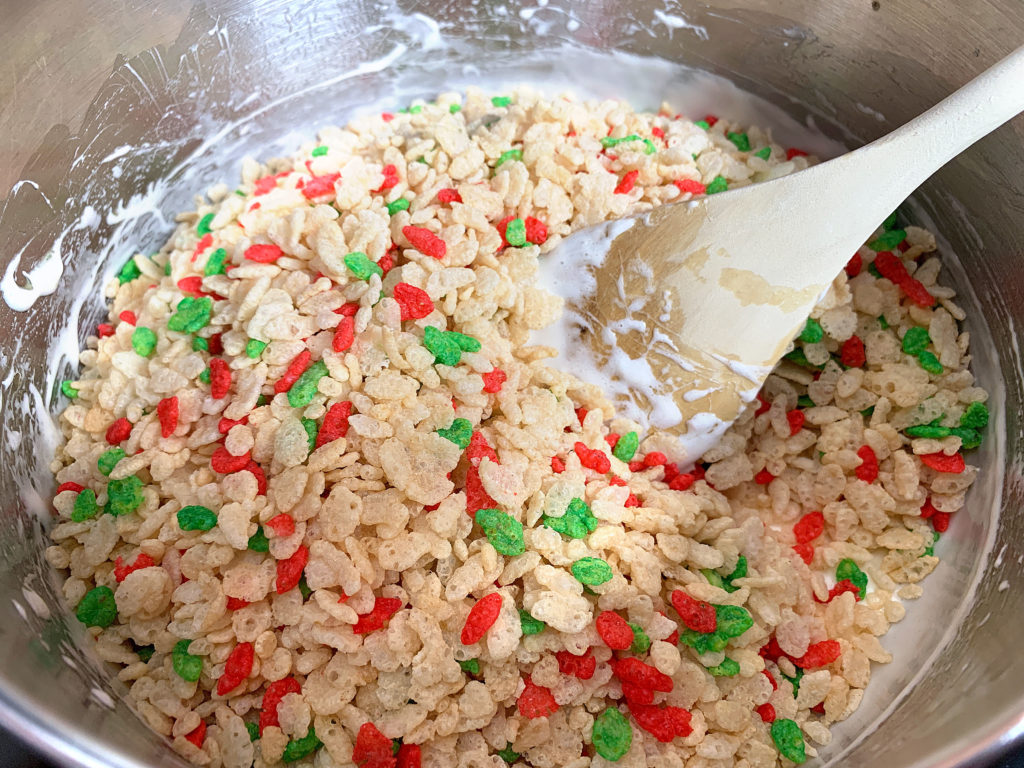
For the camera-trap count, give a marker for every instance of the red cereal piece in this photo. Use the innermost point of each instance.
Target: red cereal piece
(263, 254)
(448, 195)
(771, 678)
(612, 438)
(536, 701)
(581, 415)
(851, 354)
(220, 378)
(614, 630)
(806, 552)
(104, 329)
(854, 265)
(625, 186)
(657, 132)
(764, 405)
(121, 570)
(940, 521)
(372, 748)
(632, 670)
(710, 120)
(557, 465)
(289, 571)
(772, 652)
(889, 266)
(819, 654)
(794, 152)
(502, 227)
(259, 474)
(681, 482)
(493, 380)
(637, 465)
(536, 230)
(655, 459)
(409, 756)
(840, 588)
(796, 421)
(631, 501)
(674, 637)
(281, 524)
(347, 310)
(236, 668)
(390, 178)
(214, 345)
(335, 423)
(476, 497)
(868, 469)
(582, 667)
(344, 335)
(225, 463)
(425, 241)
(479, 449)
(663, 723)
(592, 458)
(128, 317)
(940, 462)
(692, 186)
(276, 691)
(167, 413)
(320, 186)
(192, 285)
(197, 735)
(613, 480)
(383, 609)
(415, 303)
(763, 477)
(386, 263)
(236, 604)
(696, 614)
(69, 486)
(809, 527)
(224, 425)
(766, 712)
(387, 117)
(481, 617)
(296, 368)
(119, 431)
(204, 242)
(635, 694)
(917, 293)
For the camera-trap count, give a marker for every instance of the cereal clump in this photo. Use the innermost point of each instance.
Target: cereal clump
(321, 502)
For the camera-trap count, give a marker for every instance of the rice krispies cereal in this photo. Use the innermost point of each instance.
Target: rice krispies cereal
(322, 503)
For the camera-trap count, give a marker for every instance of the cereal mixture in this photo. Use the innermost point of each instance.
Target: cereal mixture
(322, 503)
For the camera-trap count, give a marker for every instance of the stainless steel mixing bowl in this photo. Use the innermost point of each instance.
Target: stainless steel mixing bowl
(100, 100)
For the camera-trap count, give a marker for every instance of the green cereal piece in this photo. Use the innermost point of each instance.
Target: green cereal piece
(872, 269)
(259, 542)
(108, 460)
(740, 140)
(738, 573)
(192, 314)
(812, 332)
(888, 240)
(711, 642)
(795, 681)
(976, 416)
(470, 666)
(361, 266)
(626, 446)
(68, 389)
(867, 413)
(203, 227)
(508, 754)
(466, 343)
(702, 124)
(612, 735)
(848, 569)
(415, 109)
(254, 348)
(167, 268)
(501, 101)
(124, 496)
(254, 731)
(577, 521)
(969, 438)
(445, 349)
(453, 108)
(883, 323)
(459, 432)
(718, 184)
(728, 668)
(128, 272)
(204, 376)
(144, 652)
(804, 401)
(930, 549)
(503, 531)
(300, 748)
(215, 263)
(303, 390)
(530, 625)
(916, 340)
(85, 506)
(928, 430)
(186, 666)
(509, 154)
(714, 577)
(196, 518)
(649, 148)
(608, 141)
(97, 608)
(930, 363)
(732, 620)
(789, 740)
(515, 233)
(764, 153)
(401, 204)
(641, 642)
(591, 571)
(318, 151)
(890, 221)
(304, 589)
(144, 341)
(311, 428)
(240, 192)
(199, 344)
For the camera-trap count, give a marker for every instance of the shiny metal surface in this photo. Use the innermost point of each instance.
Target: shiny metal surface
(80, 80)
